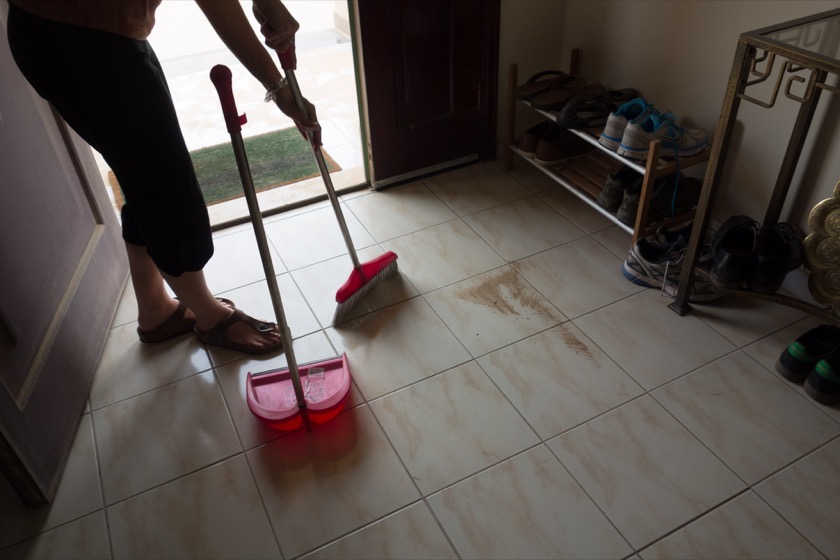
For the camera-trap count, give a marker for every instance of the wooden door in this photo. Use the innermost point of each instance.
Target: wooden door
(63, 270)
(430, 73)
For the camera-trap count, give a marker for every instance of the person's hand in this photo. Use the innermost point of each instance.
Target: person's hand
(276, 24)
(307, 123)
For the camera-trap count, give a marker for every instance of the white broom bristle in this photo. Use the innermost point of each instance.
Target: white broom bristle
(343, 310)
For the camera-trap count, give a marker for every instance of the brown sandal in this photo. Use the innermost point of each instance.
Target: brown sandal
(176, 325)
(216, 335)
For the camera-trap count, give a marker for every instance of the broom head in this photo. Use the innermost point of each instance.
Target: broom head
(361, 281)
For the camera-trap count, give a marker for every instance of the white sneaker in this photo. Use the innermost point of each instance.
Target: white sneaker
(632, 111)
(675, 141)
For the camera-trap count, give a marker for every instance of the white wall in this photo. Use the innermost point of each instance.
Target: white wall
(679, 55)
(530, 36)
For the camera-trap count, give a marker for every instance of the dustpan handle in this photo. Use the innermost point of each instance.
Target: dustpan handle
(221, 76)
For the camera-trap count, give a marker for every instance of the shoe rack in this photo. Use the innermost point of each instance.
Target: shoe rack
(795, 58)
(585, 176)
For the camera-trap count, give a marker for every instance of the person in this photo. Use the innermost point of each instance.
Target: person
(91, 60)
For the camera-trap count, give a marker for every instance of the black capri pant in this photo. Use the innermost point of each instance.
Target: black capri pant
(111, 90)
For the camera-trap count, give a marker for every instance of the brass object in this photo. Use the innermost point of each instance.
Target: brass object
(822, 251)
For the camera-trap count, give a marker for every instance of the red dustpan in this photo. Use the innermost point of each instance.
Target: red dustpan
(289, 398)
(271, 394)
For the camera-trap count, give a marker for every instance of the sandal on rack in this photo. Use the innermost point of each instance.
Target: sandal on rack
(176, 325)
(540, 82)
(217, 336)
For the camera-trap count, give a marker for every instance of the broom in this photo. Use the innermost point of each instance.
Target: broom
(365, 276)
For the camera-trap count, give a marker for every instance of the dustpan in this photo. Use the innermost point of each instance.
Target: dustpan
(284, 399)
(271, 394)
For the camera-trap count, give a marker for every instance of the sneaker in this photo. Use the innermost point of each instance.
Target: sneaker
(532, 136)
(675, 141)
(560, 145)
(672, 195)
(651, 265)
(591, 110)
(823, 383)
(659, 266)
(617, 183)
(632, 111)
(801, 356)
(668, 234)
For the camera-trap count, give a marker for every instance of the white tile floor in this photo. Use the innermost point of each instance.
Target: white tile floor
(514, 397)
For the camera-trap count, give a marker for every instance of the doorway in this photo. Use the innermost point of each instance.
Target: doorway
(188, 48)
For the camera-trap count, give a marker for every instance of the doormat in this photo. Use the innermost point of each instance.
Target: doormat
(276, 158)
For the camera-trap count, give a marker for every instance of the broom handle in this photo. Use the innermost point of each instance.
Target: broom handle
(221, 77)
(288, 62)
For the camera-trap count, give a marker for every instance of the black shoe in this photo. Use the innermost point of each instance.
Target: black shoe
(779, 250)
(592, 109)
(734, 249)
(823, 383)
(617, 183)
(801, 355)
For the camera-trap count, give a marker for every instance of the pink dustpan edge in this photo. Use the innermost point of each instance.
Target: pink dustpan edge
(258, 389)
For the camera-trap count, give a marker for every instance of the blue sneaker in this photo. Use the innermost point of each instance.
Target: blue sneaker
(632, 111)
(675, 141)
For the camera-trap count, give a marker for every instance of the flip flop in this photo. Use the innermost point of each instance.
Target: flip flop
(216, 335)
(176, 325)
(539, 82)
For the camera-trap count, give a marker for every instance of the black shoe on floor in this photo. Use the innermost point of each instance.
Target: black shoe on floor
(823, 383)
(779, 250)
(734, 252)
(801, 355)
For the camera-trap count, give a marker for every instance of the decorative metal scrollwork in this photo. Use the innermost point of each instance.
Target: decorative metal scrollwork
(822, 251)
(794, 78)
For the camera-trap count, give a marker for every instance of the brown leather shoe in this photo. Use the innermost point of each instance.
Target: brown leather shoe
(560, 145)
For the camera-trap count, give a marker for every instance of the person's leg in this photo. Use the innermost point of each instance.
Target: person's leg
(192, 289)
(111, 90)
(155, 306)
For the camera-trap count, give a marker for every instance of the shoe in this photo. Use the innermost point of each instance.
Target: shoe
(539, 83)
(617, 183)
(592, 109)
(801, 355)
(217, 335)
(672, 195)
(659, 266)
(734, 250)
(779, 250)
(558, 95)
(668, 234)
(176, 325)
(531, 137)
(823, 383)
(560, 145)
(650, 265)
(635, 110)
(675, 141)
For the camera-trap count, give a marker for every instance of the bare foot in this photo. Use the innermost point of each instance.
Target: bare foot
(238, 331)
